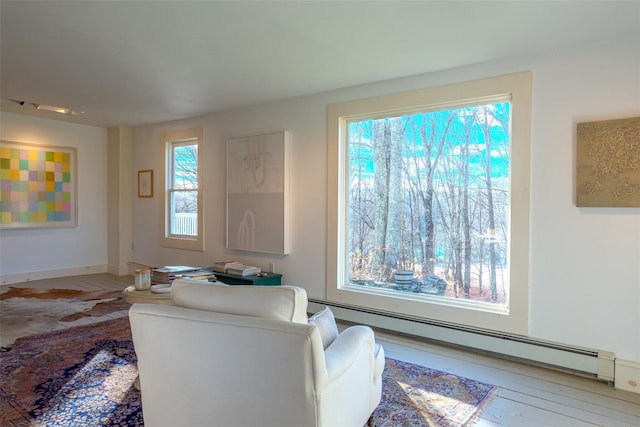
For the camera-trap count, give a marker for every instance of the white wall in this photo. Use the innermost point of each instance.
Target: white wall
(585, 263)
(41, 253)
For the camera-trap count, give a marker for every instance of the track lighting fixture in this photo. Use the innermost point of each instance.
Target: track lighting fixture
(37, 106)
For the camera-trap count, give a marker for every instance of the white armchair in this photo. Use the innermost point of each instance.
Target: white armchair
(246, 356)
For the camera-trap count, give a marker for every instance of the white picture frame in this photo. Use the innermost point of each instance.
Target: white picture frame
(258, 193)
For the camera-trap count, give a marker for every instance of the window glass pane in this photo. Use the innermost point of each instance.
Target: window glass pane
(184, 207)
(184, 213)
(428, 203)
(185, 163)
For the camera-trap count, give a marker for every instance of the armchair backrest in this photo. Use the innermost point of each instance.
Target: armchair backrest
(288, 303)
(200, 368)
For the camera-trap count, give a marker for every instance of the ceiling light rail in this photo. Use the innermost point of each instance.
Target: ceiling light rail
(38, 106)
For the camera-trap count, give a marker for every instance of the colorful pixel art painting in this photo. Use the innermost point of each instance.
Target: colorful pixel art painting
(38, 186)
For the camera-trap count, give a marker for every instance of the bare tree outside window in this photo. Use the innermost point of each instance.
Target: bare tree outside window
(429, 194)
(184, 196)
(184, 189)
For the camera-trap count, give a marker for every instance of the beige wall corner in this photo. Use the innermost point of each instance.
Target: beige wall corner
(119, 198)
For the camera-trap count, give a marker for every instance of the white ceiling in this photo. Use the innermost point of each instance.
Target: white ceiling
(140, 62)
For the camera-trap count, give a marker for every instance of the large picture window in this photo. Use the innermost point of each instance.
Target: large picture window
(429, 203)
(183, 198)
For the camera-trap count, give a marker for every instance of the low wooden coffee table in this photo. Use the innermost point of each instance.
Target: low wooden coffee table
(133, 296)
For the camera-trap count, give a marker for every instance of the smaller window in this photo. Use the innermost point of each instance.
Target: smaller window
(183, 196)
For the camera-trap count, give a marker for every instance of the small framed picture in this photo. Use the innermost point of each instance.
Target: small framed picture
(145, 183)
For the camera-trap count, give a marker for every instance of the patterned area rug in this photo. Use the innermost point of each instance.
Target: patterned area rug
(413, 395)
(84, 376)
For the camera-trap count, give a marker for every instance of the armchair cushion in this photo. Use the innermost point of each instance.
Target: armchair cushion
(326, 324)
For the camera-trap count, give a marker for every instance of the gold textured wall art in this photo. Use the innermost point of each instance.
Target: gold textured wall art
(608, 163)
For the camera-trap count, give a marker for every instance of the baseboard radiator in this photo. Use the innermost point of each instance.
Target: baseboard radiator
(593, 363)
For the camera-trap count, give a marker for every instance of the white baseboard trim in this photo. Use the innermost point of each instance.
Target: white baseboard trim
(627, 375)
(10, 279)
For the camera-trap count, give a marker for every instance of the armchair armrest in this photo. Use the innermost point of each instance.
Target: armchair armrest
(350, 391)
(346, 349)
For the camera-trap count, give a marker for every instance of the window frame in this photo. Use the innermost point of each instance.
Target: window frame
(167, 239)
(514, 319)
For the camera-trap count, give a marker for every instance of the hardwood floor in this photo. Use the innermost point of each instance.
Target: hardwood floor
(528, 396)
(87, 282)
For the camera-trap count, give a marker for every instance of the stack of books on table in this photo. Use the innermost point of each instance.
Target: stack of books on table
(243, 270)
(166, 275)
(222, 266)
(200, 275)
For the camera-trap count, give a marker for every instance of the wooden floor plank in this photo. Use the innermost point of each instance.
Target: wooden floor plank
(596, 414)
(88, 282)
(506, 412)
(588, 402)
